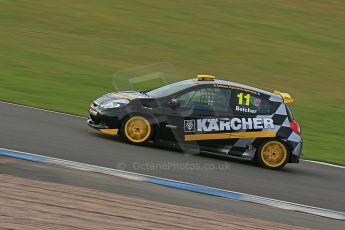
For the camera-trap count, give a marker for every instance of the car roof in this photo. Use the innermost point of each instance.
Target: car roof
(230, 83)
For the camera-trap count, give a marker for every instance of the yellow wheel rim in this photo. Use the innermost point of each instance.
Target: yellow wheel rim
(137, 129)
(273, 154)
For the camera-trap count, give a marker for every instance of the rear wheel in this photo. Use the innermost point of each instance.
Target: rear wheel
(136, 130)
(273, 154)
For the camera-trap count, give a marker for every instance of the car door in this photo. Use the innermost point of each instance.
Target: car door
(196, 119)
(253, 111)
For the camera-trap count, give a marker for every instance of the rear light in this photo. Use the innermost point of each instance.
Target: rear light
(295, 127)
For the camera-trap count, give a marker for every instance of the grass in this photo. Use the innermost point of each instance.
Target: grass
(60, 55)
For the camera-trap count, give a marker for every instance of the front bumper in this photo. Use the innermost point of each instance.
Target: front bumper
(92, 124)
(102, 128)
(102, 123)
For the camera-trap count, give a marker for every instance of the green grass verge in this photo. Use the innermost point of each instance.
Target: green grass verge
(60, 55)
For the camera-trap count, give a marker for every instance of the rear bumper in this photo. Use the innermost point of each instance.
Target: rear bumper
(298, 149)
(294, 159)
(296, 153)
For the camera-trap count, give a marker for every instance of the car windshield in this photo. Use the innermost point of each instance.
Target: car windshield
(170, 89)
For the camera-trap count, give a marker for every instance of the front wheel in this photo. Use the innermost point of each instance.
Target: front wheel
(136, 130)
(273, 154)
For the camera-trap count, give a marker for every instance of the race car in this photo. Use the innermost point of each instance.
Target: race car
(206, 114)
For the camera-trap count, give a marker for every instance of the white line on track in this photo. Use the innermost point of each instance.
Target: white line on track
(77, 116)
(39, 109)
(325, 163)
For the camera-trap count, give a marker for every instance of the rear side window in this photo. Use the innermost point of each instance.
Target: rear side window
(250, 104)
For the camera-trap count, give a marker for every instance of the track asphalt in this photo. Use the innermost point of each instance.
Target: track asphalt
(68, 137)
(100, 182)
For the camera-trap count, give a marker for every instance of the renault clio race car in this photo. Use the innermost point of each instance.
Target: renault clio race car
(207, 114)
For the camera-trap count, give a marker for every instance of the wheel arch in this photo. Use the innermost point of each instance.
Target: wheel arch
(264, 140)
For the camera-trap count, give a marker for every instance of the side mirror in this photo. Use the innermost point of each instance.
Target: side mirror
(174, 103)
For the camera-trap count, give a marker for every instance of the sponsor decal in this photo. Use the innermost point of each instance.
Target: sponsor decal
(257, 101)
(245, 109)
(189, 125)
(226, 124)
(236, 88)
(121, 95)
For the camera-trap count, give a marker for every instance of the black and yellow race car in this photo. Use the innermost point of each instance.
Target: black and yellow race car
(206, 114)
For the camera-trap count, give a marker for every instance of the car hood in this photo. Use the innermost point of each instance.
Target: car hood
(123, 97)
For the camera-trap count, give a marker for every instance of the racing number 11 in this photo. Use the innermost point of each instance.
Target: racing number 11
(240, 98)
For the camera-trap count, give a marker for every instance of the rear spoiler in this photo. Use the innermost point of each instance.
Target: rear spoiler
(286, 97)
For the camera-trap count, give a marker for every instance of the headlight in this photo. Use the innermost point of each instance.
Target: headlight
(110, 104)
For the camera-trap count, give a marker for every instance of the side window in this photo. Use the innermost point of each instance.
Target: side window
(207, 99)
(247, 103)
